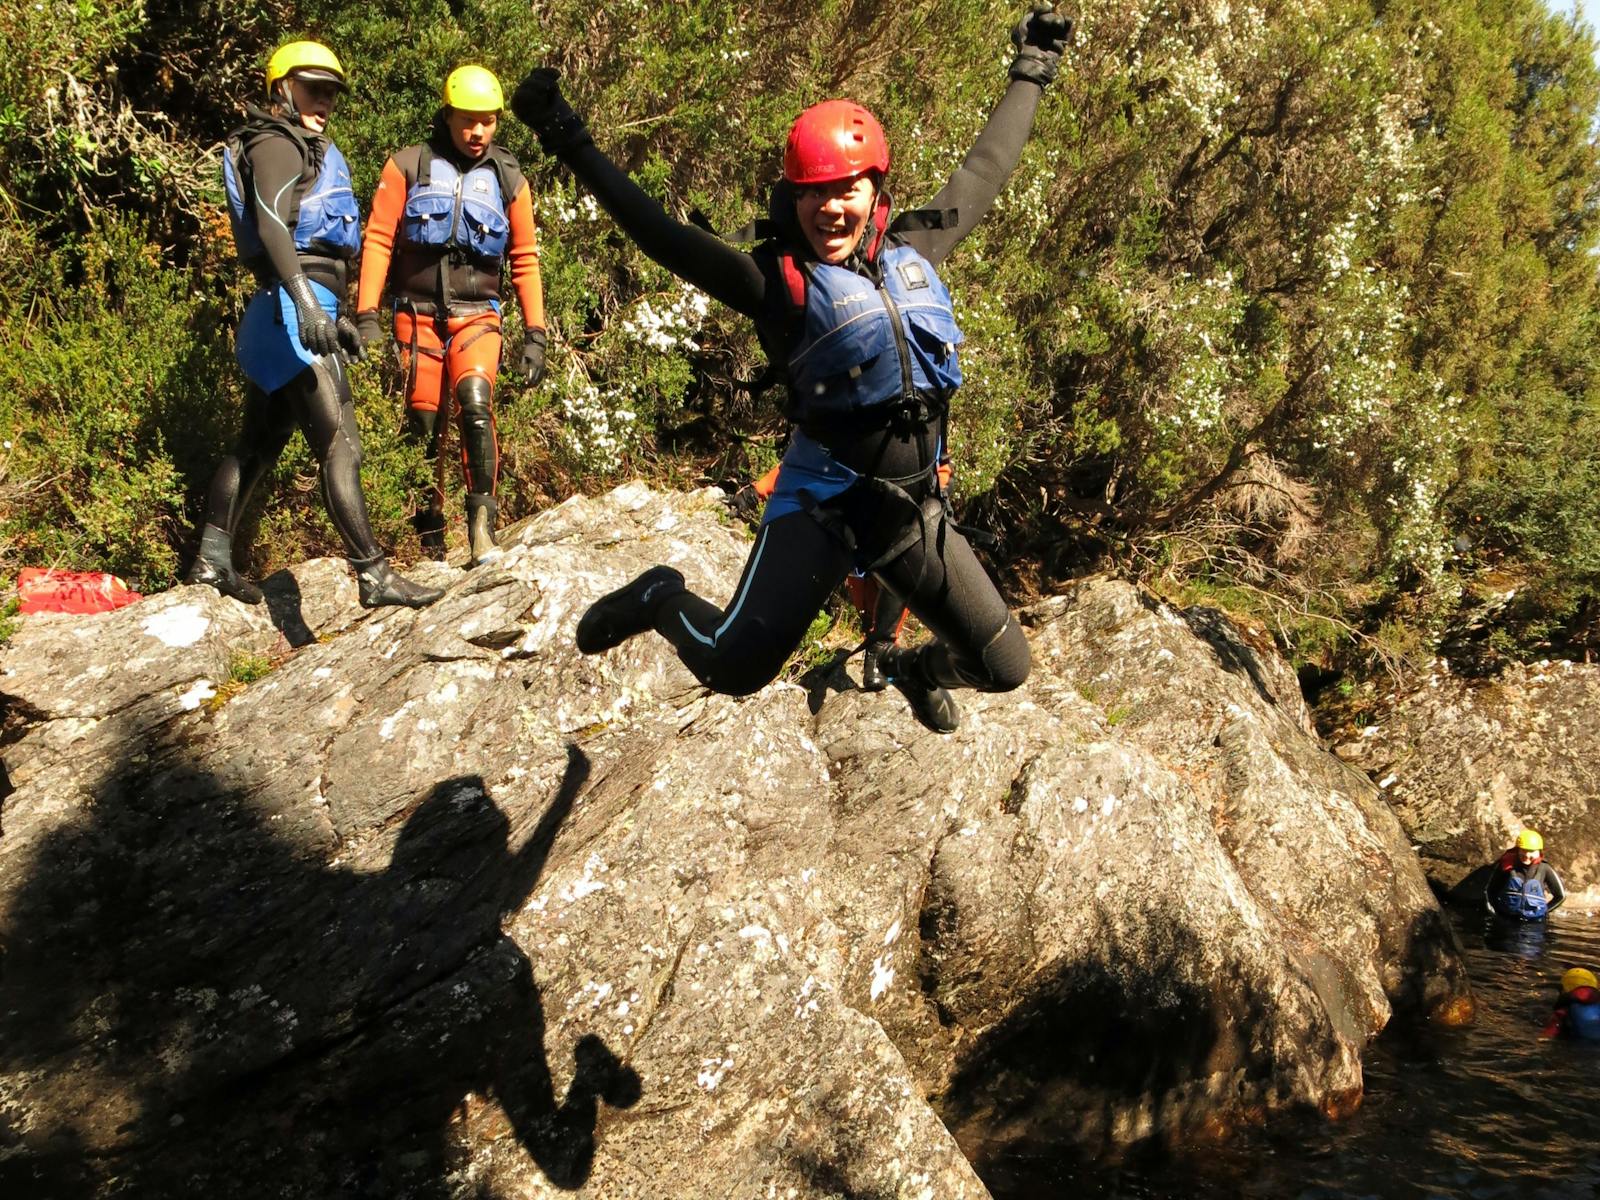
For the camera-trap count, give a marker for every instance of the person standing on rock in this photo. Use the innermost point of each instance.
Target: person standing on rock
(851, 305)
(1522, 885)
(296, 226)
(447, 215)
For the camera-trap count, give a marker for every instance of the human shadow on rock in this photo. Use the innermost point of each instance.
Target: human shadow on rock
(201, 999)
(282, 592)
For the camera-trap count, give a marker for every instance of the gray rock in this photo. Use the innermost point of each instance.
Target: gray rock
(440, 907)
(1468, 763)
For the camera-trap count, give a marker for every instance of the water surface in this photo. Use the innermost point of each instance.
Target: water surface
(1489, 1112)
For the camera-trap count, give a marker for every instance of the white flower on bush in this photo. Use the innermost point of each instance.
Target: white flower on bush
(671, 327)
(599, 424)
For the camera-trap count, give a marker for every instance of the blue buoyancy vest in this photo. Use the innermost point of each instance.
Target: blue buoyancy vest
(864, 344)
(1523, 898)
(1583, 1017)
(327, 219)
(459, 211)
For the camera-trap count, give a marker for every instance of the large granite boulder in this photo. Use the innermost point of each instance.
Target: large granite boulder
(1467, 763)
(439, 907)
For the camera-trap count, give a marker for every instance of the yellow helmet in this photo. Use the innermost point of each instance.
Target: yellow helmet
(473, 89)
(1578, 977)
(1529, 840)
(307, 60)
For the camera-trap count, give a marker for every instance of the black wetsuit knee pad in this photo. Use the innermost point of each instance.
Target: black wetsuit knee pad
(1006, 660)
(474, 395)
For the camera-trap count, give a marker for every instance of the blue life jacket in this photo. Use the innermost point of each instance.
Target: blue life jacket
(460, 211)
(1522, 898)
(1584, 1019)
(863, 344)
(327, 219)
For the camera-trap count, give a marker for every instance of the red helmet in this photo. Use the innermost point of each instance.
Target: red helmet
(834, 140)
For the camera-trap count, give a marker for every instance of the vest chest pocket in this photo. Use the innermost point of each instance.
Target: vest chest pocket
(934, 338)
(330, 218)
(484, 228)
(426, 220)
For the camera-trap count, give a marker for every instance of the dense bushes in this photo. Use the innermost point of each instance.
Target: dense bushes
(1287, 305)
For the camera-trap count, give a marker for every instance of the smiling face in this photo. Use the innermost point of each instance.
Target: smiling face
(471, 132)
(834, 215)
(314, 100)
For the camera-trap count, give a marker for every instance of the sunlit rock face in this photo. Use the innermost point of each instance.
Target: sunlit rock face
(436, 906)
(1468, 763)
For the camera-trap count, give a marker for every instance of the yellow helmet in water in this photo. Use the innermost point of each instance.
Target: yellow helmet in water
(307, 60)
(1529, 840)
(1578, 977)
(473, 89)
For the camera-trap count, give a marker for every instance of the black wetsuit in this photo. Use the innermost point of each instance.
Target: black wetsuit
(317, 400)
(799, 558)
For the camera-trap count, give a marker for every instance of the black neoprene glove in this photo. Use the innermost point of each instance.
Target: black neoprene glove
(540, 106)
(369, 326)
(318, 333)
(533, 355)
(349, 339)
(1041, 38)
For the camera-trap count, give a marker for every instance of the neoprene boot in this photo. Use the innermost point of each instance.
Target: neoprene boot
(213, 566)
(932, 703)
(429, 524)
(872, 677)
(381, 587)
(617, 616)
(482, 513)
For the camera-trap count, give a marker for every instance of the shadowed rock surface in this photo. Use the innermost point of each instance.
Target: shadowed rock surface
(1467, 763)
(439, 907)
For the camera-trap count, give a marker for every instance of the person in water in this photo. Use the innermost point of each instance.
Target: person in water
(882, 615)
(1522, 885)
(448, 214)
(1577, 1012)
(297, 228)
(851, 305)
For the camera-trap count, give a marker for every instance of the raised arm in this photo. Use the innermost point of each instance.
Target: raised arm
(692, 254)
(1040, 38)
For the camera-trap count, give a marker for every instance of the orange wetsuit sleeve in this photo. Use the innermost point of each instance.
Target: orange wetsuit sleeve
(768, 483)
(524, 256)
(377, 243)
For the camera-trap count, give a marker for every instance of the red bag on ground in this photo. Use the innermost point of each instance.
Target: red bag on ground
(42, 590)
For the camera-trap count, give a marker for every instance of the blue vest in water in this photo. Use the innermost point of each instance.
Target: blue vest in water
(1522, 899)
(327, 219)
(862, 344)
(1584, 1019)
(460, 211)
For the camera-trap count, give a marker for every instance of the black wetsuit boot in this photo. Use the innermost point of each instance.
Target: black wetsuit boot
(381, 587)
(934, 706)
(482, 512)
(213, 565)
(872, 677)
(474, 396)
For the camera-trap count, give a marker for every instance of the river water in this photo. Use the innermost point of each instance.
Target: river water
(1488, 1112)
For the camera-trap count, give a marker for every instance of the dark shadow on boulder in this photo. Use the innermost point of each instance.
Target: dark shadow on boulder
(1092, 1046)
(282, 591)
(1469, 893)
(201, 999)
(1212, 627)
(829, 676)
